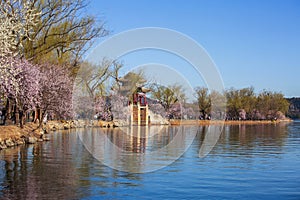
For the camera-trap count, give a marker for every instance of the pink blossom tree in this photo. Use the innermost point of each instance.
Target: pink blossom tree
(83, 106)
(112, 107)
(175, 111)
(157, 108)
(55, 91)
(119, 106)
(103, 109)
(27, 96)
(19, 85)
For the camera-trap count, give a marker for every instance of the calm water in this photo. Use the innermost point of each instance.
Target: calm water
(248, 162)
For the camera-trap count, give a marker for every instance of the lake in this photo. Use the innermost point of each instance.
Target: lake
(247, 162)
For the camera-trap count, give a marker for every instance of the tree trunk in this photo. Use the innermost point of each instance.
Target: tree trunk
(21, 118)
(37, 115)
(43, 115)
(17, 115)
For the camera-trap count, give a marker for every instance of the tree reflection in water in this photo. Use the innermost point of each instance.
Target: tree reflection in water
(139, 149)
(64, 169)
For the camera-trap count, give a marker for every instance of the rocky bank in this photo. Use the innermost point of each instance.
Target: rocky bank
(11, 135)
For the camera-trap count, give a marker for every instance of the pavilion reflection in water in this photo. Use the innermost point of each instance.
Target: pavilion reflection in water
(136, 139)
(138, 148)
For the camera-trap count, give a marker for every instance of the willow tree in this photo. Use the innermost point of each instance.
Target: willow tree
(234, 103)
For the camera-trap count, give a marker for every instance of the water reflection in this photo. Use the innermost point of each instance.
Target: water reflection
(30, 170)
(251, 140)
(212, 134)
(140, 149)
(63, 169)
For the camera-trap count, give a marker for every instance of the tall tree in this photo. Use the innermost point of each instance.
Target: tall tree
(56, 91)
(98, 80)
(93, 84)
(20, 89)
(92, 78)
(269, 103)
(203, 101)
(17, 21)
(234, 103)
(248, 101)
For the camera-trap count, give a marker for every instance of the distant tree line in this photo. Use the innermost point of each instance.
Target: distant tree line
(244, 104)
(232, 104)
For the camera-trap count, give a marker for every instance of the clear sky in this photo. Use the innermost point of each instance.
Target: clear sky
(253, 43)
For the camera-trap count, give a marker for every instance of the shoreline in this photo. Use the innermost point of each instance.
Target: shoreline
(12, 135)
(227, 122)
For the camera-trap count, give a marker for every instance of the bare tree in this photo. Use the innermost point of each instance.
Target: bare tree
(99, 79)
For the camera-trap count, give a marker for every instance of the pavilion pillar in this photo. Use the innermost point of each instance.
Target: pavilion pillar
(138, 114)
(147, 118)
(132, 115)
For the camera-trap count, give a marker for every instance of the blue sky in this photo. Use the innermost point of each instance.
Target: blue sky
(253, 43)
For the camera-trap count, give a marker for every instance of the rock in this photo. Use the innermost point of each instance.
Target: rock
(3, 145)
(120, 123)
(72, 124)
(20, 141)
(66, 126)
(52, 128)
(9, 142)
(77, 124)
(30, 140)
(45, 131)
(45, 138)
(105, 124)
(99, 123)
(40, 140)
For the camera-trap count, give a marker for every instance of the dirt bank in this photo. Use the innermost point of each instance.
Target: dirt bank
(13, 135)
